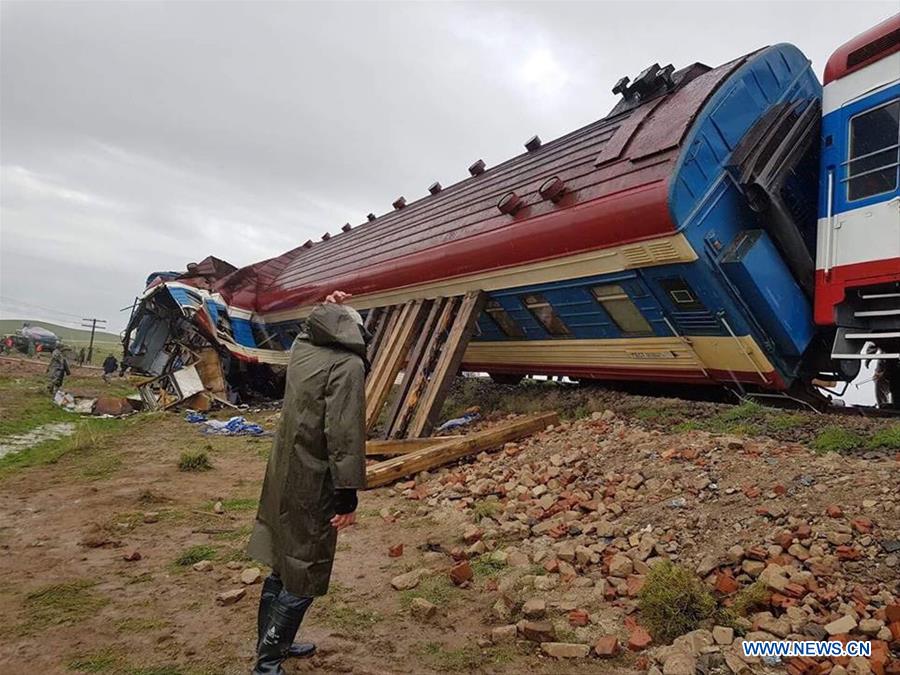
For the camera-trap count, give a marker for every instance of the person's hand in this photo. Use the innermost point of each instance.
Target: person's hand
(338, 297)
(340, 521)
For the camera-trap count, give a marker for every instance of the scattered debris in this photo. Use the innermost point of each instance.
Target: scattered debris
(390, 470)
(250, 576)
(234, 426)
(230, 597)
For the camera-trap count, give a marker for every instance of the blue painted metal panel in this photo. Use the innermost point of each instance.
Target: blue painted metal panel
(242, 332)
(753, 265)
(710, 209)
(836, 125)
(576, 306)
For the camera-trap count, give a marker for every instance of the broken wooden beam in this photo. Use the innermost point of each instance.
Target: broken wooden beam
(451, 355)
(403, 446)
(427, 458)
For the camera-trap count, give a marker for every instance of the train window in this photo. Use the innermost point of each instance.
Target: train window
(680, 293)
(873, 163)
(545, 314)
(503, 320)
(623, 312)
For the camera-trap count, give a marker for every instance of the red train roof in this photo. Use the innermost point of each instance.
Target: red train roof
(875, 43)
(615, 172)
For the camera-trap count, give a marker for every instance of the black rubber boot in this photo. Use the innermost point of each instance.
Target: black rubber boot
(276, 644)
(271, 588)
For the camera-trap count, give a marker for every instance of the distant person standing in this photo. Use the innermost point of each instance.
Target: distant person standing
(57, 370)
(109, 367)
(81, 356)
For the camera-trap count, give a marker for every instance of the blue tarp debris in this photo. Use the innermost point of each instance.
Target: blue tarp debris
(236, 426)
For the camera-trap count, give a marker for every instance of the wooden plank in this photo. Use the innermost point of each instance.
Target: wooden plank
(388, 327)
(375, 381)
(395, 352)
(403, 446)
(447, 365)
(412, 364)
(427, 458)
(378, 330)
(430, 356)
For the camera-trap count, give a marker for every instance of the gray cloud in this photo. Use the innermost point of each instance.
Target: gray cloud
(141, 136)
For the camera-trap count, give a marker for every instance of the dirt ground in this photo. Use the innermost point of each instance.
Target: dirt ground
(69, 602)
(73, 509)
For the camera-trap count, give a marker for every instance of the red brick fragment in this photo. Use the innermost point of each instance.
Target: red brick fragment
(461, 572)
(579, 617)
(894, 627)
(607, 647)
(726, 583)
(892, 613)
(395, 551)
(862, 525)
(756, 553)
(802, 531)
(848, 553)
(639, 639)
(784, 539)
(834, 511)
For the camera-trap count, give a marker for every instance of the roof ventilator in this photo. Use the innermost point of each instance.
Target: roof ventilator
(510, 203)
(553, 189)
(326, 236)
(435, 187)
(346, 227)
(533, 143)
(399, 203)
(308, 243)
(477, 168)
(370, 217)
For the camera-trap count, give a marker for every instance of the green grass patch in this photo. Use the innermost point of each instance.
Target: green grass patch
(352, 620)
(886, 438)
(235, 504)
(747, 410)
(786, 421)
(485, 566)
(687, 426)
(438, 590)
(26, 409)
(674, 601)
(194, 461)
(195, 554)
(240, 533)
(836, 439)
(92, 438)
(468, 658)
(750, 598)
(486, 508)
(60, 604)
(101, 661)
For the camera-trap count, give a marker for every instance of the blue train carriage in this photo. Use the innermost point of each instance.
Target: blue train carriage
(738, 309)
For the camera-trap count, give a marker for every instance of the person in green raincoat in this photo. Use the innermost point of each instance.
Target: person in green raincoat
(57, 370)
(316, 465)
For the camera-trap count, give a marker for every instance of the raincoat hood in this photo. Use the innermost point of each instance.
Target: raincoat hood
(331, 325)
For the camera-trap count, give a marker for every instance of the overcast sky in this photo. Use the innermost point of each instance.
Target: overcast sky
(142, 136)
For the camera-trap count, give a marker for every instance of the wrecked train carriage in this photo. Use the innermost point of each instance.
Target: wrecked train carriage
(181, 334)
(636, 248)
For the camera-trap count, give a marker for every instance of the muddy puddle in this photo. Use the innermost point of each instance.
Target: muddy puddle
(28, 439)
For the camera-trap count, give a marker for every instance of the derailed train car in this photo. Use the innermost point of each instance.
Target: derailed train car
(674, 240)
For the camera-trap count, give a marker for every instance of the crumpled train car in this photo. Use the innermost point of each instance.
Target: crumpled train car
(672, 240)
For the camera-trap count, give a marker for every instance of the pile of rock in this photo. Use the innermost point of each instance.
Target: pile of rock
(578, 515)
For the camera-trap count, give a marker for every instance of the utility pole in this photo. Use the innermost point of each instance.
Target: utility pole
(93, 326)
